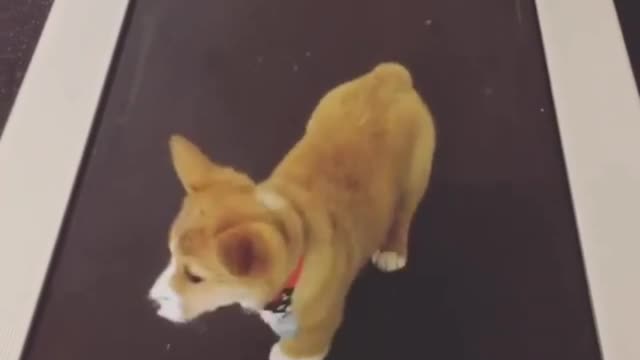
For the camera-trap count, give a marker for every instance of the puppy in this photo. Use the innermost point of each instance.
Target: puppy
(290, 247)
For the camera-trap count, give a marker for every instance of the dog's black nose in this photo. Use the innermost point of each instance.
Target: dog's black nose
(155, 303)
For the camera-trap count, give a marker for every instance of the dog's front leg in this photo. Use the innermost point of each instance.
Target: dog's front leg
(307, 345)
(311, 342)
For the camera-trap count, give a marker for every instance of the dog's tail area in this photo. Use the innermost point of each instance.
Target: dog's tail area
(393, 75)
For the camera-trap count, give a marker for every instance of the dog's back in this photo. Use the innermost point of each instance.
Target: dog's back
(363, 165)
(359, 150)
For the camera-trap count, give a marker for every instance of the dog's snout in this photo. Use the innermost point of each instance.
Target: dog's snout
(161, 299)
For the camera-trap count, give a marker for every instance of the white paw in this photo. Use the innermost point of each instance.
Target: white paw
(389, 261)
(277, 354)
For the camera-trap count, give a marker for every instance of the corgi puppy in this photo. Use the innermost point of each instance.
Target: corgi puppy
(344, 195)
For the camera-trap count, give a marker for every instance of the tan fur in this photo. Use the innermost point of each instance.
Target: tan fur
(349, 187)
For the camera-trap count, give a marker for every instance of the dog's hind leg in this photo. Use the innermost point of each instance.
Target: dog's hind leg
(394, 253)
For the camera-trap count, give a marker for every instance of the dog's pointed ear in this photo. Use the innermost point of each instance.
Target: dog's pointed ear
(244, 251)
(192, 166)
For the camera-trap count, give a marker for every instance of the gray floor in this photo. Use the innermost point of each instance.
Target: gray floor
(629, 13)
(20, 25)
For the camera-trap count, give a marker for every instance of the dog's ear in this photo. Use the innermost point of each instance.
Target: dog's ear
(244, 250)
(192, 166)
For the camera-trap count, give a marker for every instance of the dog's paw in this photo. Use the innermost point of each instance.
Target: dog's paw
(277, 354)
(388, 261)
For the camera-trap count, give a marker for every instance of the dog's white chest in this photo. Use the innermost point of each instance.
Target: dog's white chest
(284, 324)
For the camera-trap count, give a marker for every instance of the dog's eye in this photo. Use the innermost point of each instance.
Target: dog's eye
(192, 277)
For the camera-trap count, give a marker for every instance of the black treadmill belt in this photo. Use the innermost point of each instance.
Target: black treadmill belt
(495, 269)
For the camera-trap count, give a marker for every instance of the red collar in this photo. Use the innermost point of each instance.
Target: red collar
(281, 303)
(295, 275)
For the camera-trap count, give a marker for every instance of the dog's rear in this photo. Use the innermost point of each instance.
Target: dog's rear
(344, 194)
(367, 158)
